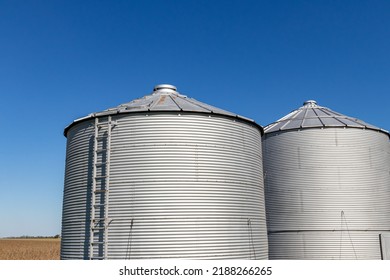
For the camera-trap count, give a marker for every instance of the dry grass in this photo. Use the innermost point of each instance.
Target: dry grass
(30, 249)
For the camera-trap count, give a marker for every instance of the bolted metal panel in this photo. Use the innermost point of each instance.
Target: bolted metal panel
(326, 188)
(190, 184)
(182, 185)
(325, 245)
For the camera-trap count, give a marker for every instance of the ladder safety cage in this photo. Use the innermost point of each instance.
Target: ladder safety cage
(98, 238)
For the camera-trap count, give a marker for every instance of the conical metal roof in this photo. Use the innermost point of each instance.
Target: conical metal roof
(164, 98)
(311, 115)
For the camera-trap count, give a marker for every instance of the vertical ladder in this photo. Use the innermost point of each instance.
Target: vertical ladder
(98, 239)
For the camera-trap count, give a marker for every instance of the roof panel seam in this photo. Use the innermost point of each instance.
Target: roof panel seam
(174, 101)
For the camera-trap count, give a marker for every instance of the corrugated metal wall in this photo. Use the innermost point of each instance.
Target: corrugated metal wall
(327, 193)
(77, 192)
(325, 245)
(182, 186)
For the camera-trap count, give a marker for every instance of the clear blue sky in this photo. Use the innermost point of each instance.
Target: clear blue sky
(61, 60)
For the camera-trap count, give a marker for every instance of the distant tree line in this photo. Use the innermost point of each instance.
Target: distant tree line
(31, 237)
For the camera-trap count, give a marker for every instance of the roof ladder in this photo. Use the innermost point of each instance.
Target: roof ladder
(98, 237)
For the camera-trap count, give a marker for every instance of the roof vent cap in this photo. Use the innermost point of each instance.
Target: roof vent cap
(165, 87)
(310, 103)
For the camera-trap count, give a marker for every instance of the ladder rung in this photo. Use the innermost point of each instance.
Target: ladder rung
(99, 205)
(106, 123)
(102, 123)
(101, 177)
(101, 191)
(99, 225)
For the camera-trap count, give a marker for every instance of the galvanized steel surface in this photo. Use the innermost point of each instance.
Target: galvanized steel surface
(77, 192)
(182, 185)
(311, 115)
(385, 245)
(327, 192)
(325, 245)
(164, 98)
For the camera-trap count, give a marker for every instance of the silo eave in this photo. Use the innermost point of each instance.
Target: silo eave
(94, 115)
(325, 127)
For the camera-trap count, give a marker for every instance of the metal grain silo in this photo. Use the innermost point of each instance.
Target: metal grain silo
(327, 186)
(164, 176)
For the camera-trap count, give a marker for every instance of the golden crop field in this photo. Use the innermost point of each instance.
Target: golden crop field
(30, 249)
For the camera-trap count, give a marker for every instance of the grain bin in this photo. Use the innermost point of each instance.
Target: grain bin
(327, 186)
(164, 176)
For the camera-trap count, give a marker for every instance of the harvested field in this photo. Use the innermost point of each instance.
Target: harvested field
(30, 249)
